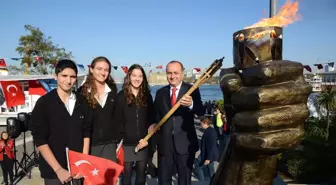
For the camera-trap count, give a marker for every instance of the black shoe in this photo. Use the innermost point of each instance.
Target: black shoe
(152, 172)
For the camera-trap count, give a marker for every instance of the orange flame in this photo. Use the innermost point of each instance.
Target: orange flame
(287, 15)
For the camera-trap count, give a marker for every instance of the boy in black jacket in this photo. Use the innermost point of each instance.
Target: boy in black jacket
(209, 150)
(61, 119)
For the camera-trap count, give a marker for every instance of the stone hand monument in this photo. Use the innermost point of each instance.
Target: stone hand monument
(265, 100)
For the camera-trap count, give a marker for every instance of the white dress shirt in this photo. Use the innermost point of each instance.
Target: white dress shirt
(71, 103)
(177, 92)
(102, 100)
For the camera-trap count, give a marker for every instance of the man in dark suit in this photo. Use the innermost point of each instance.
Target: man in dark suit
(178, 141)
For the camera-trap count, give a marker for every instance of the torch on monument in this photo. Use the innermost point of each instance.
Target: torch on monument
(265, 102)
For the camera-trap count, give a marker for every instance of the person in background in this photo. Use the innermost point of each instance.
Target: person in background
(7, 158)
(209, 107)
(218, 122)
(100, 91)
(206, 104)
(212, 106)
(209, 150)
(61, 119)
(134, 114)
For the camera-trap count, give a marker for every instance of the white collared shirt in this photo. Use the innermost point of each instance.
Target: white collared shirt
(71, 103)
(177, 92)
(102, 100)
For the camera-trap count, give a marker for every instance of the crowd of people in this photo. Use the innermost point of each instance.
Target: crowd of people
(96, 117)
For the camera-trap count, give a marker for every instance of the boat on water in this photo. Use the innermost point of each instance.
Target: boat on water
(47, 82)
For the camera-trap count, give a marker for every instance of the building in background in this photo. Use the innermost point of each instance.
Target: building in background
(189, 73)
(320, 80)
(157, 78)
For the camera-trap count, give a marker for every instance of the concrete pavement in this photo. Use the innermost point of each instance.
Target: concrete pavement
(37, 180)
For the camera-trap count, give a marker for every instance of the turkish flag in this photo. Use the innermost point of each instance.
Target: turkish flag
(96, 170)
(13, 93)
(35, 88)
(307, 67)
(197, 69)
(121, 154)
(159, 67)
(125, 69)
(2, 62)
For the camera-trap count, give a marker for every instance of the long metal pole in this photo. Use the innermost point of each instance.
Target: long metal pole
(273, 10)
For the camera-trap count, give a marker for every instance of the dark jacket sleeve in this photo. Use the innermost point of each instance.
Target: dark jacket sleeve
(39, 124)
(151, 111)
(88, 124)
(118, 116)
(198, 107)
(156, 115)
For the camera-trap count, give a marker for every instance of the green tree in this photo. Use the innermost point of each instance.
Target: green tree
(220, 105)
(326, 100)
(38, 52)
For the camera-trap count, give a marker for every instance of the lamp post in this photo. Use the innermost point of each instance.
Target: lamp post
(273, 4)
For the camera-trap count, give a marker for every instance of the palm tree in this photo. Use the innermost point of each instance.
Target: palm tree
(326, 100)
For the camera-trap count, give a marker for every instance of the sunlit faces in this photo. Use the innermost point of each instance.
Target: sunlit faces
(174, 74)
(66, 79)
(136, 78)
(4, 135)
(100, 71)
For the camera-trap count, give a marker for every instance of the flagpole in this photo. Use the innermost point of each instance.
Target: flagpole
(119, 145)
(67, 156)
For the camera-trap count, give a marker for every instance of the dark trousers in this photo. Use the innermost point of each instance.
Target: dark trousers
(151, 168)
(7, 169)
(58, 182)
(140, 168)
(167, 163)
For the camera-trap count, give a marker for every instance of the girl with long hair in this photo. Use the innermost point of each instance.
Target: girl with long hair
(100, 91)
(135, 115)
(7, 157)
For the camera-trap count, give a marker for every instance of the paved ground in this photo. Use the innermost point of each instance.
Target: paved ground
(35, 174)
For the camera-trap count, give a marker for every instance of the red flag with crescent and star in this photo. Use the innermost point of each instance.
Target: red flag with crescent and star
(13, 93)
(95, 170)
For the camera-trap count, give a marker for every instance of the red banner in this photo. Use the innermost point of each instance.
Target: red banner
(35, 88)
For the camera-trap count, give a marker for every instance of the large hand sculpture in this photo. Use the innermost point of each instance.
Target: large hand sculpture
(265, 101)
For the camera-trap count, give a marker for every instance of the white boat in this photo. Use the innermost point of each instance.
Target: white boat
(47, 81)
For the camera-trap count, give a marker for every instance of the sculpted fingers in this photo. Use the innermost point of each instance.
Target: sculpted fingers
(230, 80)
(273, 72)
(252, 98)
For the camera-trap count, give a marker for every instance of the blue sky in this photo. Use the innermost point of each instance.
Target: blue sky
(157, 31)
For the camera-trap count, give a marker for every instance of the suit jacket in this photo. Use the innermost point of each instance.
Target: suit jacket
(7, 148)
(179, 128)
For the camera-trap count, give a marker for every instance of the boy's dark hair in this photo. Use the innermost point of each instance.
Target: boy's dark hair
(65, 63)
(205, 120)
